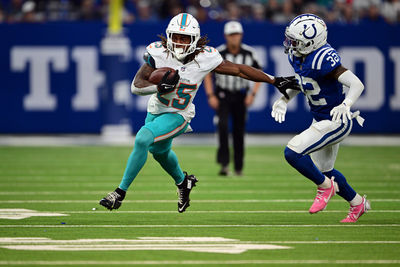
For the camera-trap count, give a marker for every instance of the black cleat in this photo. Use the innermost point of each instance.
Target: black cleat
(224, 171)
(113, 200)
(184, 190)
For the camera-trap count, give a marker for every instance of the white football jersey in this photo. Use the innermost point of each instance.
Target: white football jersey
(191, 76)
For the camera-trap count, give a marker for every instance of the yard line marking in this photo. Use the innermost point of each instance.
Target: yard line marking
(194, 226)
(194, 244)
(18, 214)
(200, 262)
(184, 240)
(197, 201)
(214, 211)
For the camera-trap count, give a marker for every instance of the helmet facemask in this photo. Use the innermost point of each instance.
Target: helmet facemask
(181, 50)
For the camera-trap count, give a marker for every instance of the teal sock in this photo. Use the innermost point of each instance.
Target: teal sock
(137, 159)
(169, 162)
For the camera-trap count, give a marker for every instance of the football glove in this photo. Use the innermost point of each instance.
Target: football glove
(341, 113)
(167, 85)
(279, 110)
(284, 83)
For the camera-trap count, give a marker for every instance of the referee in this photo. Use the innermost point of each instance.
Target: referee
(231, 97)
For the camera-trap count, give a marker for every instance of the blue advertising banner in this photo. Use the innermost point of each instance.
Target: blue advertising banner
(57, 78)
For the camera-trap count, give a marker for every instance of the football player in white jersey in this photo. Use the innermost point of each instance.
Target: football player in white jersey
(321, 76)
(170, 108)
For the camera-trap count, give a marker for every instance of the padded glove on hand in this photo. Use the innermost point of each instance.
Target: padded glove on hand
(167, 85)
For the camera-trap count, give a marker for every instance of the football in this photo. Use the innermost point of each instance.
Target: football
(156, 75)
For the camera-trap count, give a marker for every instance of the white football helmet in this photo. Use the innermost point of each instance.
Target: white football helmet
(186, 24)
(305, 33)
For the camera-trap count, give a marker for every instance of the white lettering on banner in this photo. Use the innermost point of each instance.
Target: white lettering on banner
(122, 93)
(260, 101)
(282, 68)
(88, 78)
(39, 59)
(373, 96)
(394, 54)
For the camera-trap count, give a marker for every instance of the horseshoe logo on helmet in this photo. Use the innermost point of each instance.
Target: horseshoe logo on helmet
(313, 35)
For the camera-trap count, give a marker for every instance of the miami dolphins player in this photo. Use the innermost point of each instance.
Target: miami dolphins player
(321, 77)
(170, 108)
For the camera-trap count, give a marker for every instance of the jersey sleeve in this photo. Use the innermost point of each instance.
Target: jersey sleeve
(154, 53)
(149, 60)
(326, 61)
(211, 58)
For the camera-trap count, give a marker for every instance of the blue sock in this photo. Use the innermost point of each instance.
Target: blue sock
(137, 159)
(345, 190)
(169, 161)
(305, 165)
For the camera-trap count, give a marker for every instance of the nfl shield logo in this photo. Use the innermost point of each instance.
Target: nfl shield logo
(183, 69)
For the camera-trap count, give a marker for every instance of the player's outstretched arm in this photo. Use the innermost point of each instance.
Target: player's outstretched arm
(140, 84)
(244, 71)
(256, 75)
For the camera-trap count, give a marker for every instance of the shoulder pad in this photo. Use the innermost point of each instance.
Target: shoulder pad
(155, 48)
(326, 59)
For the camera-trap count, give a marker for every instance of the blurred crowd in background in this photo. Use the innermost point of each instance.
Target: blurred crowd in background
(152, 11)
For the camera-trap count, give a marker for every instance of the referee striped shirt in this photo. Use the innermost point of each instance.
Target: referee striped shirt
(245, 56)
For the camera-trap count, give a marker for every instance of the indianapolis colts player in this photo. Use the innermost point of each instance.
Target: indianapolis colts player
(321, 77)
(170, 108)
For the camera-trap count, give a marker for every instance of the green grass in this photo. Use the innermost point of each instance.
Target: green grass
(252, 208)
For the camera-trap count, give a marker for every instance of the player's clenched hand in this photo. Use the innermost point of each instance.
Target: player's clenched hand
(341, 113)
(284, 83)
(166, 84)
(279, 110)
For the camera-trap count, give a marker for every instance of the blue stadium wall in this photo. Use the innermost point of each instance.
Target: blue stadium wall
(54, 77)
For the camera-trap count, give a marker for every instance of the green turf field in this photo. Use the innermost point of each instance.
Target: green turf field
(260, 218)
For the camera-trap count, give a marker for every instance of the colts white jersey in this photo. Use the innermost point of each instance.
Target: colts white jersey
(191, 76)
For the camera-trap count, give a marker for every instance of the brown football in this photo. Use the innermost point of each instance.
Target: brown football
(156, 75)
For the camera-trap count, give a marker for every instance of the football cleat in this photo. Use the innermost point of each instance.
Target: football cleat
(113, 200)
(224, 171)
(184, 191)
(356, 212)
(323, 197)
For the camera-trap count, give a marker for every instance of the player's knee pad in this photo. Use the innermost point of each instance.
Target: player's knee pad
(144, 138)
(295, 144)
(291, 156)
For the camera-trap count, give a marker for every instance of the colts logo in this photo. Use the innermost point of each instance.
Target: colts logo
(305, 29)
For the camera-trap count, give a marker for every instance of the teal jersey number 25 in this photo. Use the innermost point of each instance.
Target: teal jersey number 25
(183, 97)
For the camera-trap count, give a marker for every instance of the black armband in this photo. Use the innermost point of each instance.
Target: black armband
(149, 60)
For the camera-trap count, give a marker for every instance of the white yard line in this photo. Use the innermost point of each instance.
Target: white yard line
(196, 225)
(200, 262)
(197, 201)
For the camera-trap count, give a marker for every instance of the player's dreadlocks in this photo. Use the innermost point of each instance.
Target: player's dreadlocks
(201, 43)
